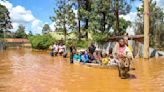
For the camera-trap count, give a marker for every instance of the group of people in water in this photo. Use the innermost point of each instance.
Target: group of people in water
(121, 55)
(114, 55)
(121, 50)
(59, 49)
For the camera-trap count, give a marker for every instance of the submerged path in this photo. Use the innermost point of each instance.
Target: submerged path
(23, 70)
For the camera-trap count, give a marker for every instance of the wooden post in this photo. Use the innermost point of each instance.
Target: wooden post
(146, 29)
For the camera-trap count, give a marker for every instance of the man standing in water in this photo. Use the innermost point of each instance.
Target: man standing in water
(91, 50)
(72, 51)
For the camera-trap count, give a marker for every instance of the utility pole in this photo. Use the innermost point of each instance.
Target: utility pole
(117, 17)
(146, 29)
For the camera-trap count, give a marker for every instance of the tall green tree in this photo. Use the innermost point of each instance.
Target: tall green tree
(101, 19)
(105, 16)
(46, 29)
(120, 7)
(85, 11)
(77, 6)
(5, 21)
(156, 22)
(20, 33)
(64, 17)
(83, 7)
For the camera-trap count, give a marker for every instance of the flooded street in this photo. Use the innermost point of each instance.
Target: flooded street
(23, 70)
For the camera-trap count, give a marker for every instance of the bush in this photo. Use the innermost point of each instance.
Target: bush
(78, 44)
(100, 38)
(69, 43)
(41, 42)
(82, 44)
(1, 39)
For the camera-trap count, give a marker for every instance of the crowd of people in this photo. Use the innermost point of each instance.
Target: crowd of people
(121, 50)
(91, 55)
(121, 55)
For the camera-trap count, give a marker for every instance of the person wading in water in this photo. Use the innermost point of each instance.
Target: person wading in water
(72, 52)
(123, 56)
(91, 50)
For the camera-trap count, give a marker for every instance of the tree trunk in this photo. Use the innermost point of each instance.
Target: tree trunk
(104, 22)
(156, 36)
(86, 20)
(79, 32)
(86, 27)
(117, 17)
(65, 33)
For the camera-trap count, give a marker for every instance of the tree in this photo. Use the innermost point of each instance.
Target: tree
(5, 21)
(20, 33)
(101, 19)
(86, 8)
(161, 36)
(105, 16)
(83, 7)
(41, 42)
(156, 21)
(97, 16)
(30, 33)
(46, 29)
(65, 17)
(77, 5)
(119, 7)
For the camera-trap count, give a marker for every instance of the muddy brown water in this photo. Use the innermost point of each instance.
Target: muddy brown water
(23, 70)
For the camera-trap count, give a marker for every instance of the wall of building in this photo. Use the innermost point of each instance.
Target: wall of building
(138, 49)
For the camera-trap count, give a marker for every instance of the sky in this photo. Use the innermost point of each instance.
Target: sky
(35, 13)
(42, 9)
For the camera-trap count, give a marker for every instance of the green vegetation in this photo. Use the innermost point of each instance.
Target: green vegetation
(20, 33)
(99, 17)
(100, 38)
(64, 18)
(77, 43)
(30, 33)
(41, 42)
(89, 19)
(2, 40)
(82, 44)
(93, 16)
(46, 29)
(5, 21)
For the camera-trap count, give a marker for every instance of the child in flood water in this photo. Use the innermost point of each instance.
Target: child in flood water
(97, 56)
(105, 59)
(76, 57)
(111, 58)
(84, 57)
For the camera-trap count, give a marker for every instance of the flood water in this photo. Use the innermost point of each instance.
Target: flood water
(23, 70)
